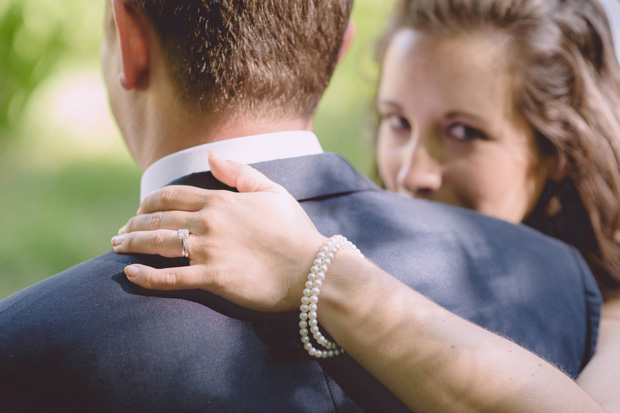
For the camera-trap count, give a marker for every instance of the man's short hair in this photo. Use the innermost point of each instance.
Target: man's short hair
(259, 56)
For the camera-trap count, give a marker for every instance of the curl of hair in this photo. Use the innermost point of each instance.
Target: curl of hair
(567, 88)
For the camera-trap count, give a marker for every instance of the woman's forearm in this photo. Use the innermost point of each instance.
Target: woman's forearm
(601, 377)
(431, 359)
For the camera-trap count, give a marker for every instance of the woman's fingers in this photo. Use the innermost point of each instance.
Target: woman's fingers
(160, 220)
(176, 278)
(161, 242)
(174, 197)
(240, 176)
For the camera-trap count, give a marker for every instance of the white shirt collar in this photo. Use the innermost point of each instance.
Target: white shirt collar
(247, 150)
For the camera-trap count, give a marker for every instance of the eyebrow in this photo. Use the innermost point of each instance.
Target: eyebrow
(450, 115)
(456, 114)
(388, 103)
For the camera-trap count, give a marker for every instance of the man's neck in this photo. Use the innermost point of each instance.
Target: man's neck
(160, 141)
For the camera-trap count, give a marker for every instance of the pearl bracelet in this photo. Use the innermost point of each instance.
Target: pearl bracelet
(310, 298)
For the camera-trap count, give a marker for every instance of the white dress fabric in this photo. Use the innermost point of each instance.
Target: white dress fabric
(612, 8)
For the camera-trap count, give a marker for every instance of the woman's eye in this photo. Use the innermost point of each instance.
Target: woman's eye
(396, 123)
(463, 132)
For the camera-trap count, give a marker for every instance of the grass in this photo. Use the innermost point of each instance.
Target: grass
(53, 220)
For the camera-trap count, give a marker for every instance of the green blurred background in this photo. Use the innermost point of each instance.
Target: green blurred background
(67, 182)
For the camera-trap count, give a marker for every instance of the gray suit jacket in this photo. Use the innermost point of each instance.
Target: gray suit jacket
(87, 339)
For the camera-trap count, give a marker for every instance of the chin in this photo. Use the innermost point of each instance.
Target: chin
(510, 216)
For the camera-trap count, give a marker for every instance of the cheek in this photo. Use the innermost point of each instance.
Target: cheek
(470, 182)
(493, 186)
(389, 160)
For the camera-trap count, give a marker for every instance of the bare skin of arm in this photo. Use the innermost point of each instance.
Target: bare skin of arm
(601, 377)
(429, 358)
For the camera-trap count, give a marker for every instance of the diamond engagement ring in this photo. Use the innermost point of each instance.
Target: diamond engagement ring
(183, 234)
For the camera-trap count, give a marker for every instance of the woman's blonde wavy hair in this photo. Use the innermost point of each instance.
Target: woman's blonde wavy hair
(567, 87)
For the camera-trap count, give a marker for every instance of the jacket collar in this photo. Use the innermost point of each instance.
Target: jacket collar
(306, 177)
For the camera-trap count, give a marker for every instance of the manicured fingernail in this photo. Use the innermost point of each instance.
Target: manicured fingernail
(132, 271)
(118, 240)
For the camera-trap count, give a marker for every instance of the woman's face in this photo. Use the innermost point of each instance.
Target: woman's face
(449, 131)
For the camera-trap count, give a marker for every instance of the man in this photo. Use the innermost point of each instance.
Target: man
(206, 72)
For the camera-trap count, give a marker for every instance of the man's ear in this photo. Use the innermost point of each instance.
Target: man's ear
(348, 39)
(133, 36)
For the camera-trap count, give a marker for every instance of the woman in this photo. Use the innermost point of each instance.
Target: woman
(508, 108)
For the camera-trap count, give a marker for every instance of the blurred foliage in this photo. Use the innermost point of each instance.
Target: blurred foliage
(63, 193)
(28, 57)
(34, 37)
(345, 117)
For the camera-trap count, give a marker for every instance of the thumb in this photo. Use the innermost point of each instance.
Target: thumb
(240, 176)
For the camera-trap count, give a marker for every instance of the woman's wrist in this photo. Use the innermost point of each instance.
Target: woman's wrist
(351, 291)
(308, 323)
(341, 289)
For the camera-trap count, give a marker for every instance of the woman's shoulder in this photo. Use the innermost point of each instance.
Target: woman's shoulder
(611, 307)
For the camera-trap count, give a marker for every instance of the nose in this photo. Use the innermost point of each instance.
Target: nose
(420, 174)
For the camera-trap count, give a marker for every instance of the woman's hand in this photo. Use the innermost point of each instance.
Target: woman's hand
(253, 248)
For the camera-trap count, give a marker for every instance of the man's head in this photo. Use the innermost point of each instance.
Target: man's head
(271, 55)
(269, 59)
